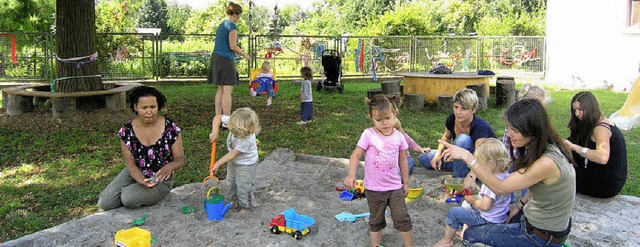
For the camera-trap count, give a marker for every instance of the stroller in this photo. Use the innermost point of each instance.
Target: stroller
(332, 65)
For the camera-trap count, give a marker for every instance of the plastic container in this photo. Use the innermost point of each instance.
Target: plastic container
(133, 237)
(214, 205)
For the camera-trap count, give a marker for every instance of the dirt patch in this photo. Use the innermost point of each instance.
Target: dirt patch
(307, 183)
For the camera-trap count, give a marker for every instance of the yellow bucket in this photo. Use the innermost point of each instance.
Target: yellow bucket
(133, 237)
(414, 193)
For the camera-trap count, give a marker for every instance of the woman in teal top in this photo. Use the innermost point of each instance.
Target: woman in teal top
(223, 71)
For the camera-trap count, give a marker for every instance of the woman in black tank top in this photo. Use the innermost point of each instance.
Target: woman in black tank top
(598, 147)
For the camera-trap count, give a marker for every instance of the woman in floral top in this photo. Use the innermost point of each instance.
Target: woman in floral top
(152, 149)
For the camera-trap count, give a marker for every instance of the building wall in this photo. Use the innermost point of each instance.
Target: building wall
(589, 44)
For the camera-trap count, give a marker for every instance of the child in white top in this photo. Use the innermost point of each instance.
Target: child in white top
(242, 156)
(386, 173)
(265, 83)
(487, 207)
(306, 97)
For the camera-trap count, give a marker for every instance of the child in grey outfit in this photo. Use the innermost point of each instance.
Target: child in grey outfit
(306, 98)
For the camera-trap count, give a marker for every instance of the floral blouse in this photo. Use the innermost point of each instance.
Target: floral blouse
(150, 158)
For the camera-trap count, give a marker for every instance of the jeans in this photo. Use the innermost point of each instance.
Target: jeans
(459, 216)
(513, 234)
(268, 87)
(411, 163)
(306, 111)
(458, 167)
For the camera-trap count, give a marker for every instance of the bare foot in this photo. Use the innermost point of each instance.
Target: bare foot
(444, 243)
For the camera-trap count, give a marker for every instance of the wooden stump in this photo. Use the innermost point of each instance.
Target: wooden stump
(373, 92)
(117, 101)
(481, 91)
(414, 101)
(17, 104)
(505, 91)
(445, 102)
(391, 87)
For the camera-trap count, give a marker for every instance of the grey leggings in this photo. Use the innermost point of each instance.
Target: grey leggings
(241, 183)
(124, 191)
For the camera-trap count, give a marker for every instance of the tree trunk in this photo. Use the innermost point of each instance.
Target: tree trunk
(76, 37)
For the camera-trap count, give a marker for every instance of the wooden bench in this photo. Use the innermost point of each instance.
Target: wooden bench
(19, 99)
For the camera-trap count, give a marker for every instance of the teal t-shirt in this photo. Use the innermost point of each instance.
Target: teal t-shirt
(221, 46)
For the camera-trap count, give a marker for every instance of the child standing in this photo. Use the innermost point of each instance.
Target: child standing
(265, 83)
(490, 208)
(242, 156)
(306, 98)
(386, 173)
(412, 144)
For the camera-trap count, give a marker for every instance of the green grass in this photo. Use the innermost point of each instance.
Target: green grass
(52, 174)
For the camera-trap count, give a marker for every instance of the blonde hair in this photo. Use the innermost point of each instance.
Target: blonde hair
(244, 122)
(398, 125)
(529, 91)
(467, 98)
(492, 151)
(266, 65)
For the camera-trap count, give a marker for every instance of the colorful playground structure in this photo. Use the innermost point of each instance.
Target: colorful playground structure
(629, 115)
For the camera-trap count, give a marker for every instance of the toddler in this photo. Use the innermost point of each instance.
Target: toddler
(386, 173)
(242, 157)
(266, 82)
(487, 207)
(306, 98)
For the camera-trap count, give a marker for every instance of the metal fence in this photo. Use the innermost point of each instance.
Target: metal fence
(186, 56)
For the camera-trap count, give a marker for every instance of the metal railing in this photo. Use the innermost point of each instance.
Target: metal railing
(187, 56)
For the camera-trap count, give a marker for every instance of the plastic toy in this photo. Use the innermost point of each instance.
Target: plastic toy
(459, 198)
(133, 237)
(414, 193)
(292, 223)
(348, 195)
(212, 163)
(188, 209)
(453, 186)
(346, 216)
(140, 221)
(214, 205)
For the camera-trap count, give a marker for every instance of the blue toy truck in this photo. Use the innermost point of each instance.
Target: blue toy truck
(291, 223)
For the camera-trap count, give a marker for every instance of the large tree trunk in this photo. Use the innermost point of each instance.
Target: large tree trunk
(76, 37)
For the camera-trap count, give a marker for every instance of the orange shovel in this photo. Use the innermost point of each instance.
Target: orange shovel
(211, 165)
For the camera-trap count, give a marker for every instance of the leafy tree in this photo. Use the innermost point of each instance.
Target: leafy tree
(153, 14)
(177, 16)
(26, 15)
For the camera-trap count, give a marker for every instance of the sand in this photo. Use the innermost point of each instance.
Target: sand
(307, 183)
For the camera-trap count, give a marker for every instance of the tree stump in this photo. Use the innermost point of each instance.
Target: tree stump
(373, 92)
(414, 101)
(505, 91)
(63, 108)
(445, 102)
(481, 91)
(390, 87)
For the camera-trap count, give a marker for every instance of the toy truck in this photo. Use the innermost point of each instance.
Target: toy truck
(291, 223)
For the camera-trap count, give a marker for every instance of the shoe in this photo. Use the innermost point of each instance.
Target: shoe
(253, 93)
(223, 126)
(301, 122)
(268, 102)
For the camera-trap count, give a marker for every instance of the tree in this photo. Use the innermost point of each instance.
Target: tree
(154, 15)
(26, 15)
(75, 37)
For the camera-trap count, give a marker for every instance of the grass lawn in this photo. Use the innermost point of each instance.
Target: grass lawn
(52, 172)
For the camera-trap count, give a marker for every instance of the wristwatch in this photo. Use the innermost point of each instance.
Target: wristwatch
(583, 152)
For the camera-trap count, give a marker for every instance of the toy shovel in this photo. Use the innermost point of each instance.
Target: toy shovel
(346, 216)
(140, 221)
(212, 162)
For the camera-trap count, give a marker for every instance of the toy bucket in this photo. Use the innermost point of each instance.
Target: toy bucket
(132, 237)
(453, 186)
(214, 205)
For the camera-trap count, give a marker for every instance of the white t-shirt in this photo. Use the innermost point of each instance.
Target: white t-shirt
(247, 147)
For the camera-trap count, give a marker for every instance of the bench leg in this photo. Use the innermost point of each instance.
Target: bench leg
(17, 105)
(63, 107)
(117, 101)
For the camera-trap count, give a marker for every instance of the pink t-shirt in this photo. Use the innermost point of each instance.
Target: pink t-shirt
(381, 169)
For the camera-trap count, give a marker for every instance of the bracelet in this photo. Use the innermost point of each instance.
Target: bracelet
(583, 152)
(523, 203)
(473, 163)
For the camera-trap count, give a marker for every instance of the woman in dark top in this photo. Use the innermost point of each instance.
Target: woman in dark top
(152, 149)
(598, 148)
(463, 128)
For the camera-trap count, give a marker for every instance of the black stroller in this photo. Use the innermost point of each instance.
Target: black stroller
(332, 65)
